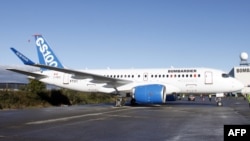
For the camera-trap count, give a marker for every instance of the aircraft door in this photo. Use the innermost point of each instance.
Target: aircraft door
(208, 77)
(65, 78)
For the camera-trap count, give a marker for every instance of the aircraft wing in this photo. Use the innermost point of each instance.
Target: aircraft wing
(84, 75)
(113, 82)
(28, 73)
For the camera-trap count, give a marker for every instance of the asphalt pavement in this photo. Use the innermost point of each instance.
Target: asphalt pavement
(180, 120)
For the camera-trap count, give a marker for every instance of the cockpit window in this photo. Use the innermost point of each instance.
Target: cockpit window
(224, 75)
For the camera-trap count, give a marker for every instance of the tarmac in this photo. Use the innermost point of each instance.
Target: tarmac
(180, 120)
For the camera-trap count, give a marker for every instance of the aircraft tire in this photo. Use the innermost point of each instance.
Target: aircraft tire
(123, 102)
(219, 104)
(132, 102)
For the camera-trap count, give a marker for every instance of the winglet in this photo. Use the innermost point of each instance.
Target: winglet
(23, 58)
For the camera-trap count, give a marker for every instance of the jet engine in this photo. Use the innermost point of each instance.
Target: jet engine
(146, 94)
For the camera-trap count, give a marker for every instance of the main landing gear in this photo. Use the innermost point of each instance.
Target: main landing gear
(133, 102)
(120, 101)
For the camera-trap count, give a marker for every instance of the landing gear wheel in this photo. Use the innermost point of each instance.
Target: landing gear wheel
(118, 102)
(132, 102)
(123, 101)
(219, 103)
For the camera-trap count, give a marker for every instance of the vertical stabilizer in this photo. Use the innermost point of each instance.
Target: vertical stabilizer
(45, 53)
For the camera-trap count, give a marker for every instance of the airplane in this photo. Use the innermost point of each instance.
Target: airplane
(143, 86)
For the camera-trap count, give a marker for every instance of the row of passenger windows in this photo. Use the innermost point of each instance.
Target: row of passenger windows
(156, 76)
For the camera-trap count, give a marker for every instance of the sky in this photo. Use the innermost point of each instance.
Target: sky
(97, 34)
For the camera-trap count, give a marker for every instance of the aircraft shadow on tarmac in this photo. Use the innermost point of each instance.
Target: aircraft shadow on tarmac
(176, 103)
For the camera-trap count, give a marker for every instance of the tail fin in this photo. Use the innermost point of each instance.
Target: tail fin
(46, 55)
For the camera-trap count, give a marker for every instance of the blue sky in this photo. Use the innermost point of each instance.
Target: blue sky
(97, 34)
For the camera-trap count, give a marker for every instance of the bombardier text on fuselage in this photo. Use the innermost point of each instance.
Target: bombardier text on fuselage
(143, 85)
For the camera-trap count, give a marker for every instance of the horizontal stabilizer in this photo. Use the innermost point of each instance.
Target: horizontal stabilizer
(36, 75)
(22, 57)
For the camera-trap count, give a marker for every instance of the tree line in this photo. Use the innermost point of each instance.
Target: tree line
(35, 94)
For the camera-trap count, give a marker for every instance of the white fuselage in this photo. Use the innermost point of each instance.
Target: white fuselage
(176, 80)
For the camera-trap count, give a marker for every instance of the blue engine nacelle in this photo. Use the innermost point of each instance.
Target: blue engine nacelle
(153, 94)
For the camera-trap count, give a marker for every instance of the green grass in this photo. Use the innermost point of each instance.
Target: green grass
(26, 99)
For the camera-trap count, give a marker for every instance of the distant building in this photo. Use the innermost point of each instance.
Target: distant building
(242, 73)
(17, 86)
(11, 85)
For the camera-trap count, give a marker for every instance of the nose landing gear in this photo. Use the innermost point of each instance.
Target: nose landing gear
(218, 99)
